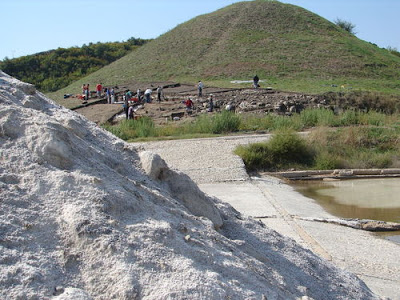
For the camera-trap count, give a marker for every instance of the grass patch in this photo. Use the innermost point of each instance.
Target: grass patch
(284, 150)
(324, 148)
(226, 122)
(131, 129)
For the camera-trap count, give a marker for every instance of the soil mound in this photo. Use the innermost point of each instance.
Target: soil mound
(80, 219)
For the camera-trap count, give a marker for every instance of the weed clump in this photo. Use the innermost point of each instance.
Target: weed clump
(285, 149)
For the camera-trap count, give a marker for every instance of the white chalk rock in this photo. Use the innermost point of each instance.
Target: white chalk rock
(181, 187)
(73, 294)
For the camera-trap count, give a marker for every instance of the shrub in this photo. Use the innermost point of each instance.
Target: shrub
(346, 25)
(255, 156)
(285, 149)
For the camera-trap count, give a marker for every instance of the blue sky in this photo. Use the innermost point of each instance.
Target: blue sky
(31, 26)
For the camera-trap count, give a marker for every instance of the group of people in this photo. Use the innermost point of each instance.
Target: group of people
(146, 98)
(108, 92)
(190, 105)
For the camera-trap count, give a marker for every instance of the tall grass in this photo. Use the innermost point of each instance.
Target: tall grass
(350, 147)
(131, 129)
(224, 122)
(227, 122)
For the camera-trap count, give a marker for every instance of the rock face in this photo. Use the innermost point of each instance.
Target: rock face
(80, 219)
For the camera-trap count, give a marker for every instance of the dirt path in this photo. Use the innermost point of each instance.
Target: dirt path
(100, 113)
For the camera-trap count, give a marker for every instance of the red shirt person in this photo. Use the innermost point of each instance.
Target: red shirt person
(99, 87)
(189, 104)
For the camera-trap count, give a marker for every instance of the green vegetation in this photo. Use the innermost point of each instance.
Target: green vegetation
(346, 25)
(129, 129)
(348, 140)
(206, 125)
(324, 149)
(51, 70)
(227, 122)
(291, 48)
(285, 149)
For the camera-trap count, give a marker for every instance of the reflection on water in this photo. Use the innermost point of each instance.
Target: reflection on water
(376, 199)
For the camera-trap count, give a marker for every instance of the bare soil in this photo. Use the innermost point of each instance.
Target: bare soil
(247, 100)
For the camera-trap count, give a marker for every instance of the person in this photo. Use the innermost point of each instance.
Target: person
(255, 82)
(211, 104)
(99, 87)
(138, 95)
(112, 92)
(108, 95)
(189, 104)
(200, 88)
(147, 95)
(159, 93)
(128, 97)
(85, 91)
(130, 112)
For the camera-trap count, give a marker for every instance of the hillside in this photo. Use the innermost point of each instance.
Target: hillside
(54, 69)
(287, 45)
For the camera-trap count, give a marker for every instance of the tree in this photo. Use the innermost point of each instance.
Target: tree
(346, 25)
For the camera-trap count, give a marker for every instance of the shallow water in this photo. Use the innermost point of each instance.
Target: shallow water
(376, 199)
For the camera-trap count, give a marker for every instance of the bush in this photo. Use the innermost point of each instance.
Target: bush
(285, 149)
(255, 156)
(346, 25)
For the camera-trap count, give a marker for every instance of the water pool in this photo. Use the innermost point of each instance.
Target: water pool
(376, 199)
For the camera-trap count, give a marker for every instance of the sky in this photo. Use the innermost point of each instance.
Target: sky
(32, 26)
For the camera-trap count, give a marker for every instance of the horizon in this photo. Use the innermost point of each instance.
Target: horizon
(63, 25)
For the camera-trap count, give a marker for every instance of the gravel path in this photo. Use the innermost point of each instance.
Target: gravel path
(207, 160)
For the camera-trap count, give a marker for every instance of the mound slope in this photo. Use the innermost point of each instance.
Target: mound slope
(80, 219)
(272, 39)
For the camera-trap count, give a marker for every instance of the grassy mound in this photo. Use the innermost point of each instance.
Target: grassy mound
(291, 47)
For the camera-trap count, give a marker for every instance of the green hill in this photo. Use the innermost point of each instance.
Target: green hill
(292, 48)
(54, 69)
